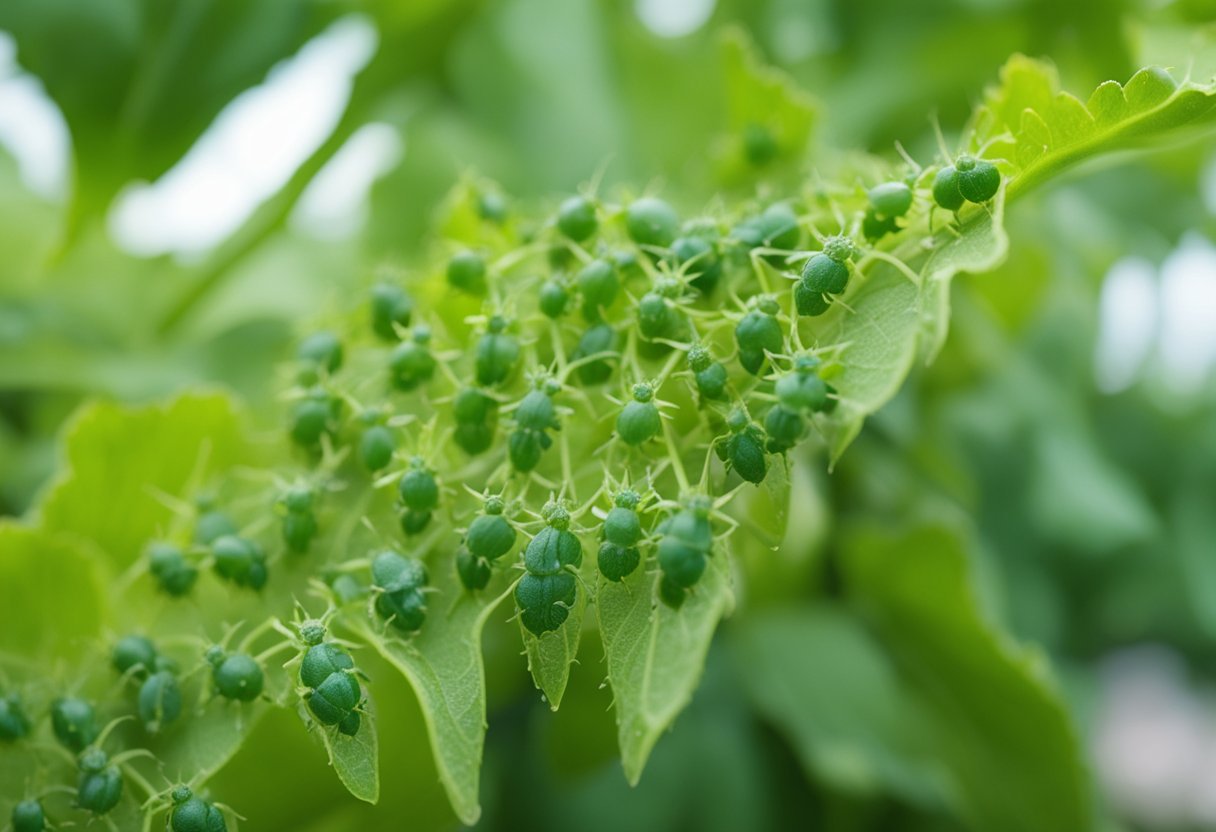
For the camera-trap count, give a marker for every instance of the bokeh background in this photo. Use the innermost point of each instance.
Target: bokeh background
(183, 184)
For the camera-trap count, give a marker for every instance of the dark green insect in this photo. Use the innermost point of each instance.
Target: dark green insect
(759, 144)
(134, 654)
(467, 272)
(190, 813)
(160, 701)
(73, 722)
(28, 816)
(555, 547)
(400, 582)
(497, 353)
(313, 417)
(639, 420)
(299, 520)
(785, 429)
(743, 450)
(710, 376)
(411, 363)
(474, 572)
(622, 525)
(576, 218)
(476, 416)
(99, 786)
(978, 179)
(526, 447)
(490, 535)
(392, 309)
(890, 199)
(211, 522)
(236, 676)
(168, 565)
(240, 560)
(600, 338)
(808, 302)
(545, 601)
(14, 724)
(775, 227)
(874, 227)
(492, 207)
(332, 692)
(685, 544)
(598, 284)
(824, 275)
(418, 489)
(802, 390)
(553, 299)
(651, 222)
(377, 445)
(699, 259)
(945, 189)
(758, 333)
(322, 350)
(617, 562)
(536, 410)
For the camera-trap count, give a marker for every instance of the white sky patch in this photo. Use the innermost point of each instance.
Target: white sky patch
(251, 149)
(674, 18)
(335, 204)
(1188, 314)
(1127, 323)
(32, 129)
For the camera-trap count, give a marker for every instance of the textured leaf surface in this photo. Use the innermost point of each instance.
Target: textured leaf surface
(551, 655)
(655, 654)
(357, 759)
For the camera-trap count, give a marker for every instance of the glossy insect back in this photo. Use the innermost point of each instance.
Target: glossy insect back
(978, 179)
(639, 419)
(759, 333)
(14, 724)
(946, 192)
(685, 545)
(467, 272)
(28, 816)
(399, 583)
(576, 218)
(236, 676)
(160, 701)
(547, 592)
(331, 689)
(651, 222)
(99, 784)
(73, 722)
(173, 573)
(190, 813)
(618, 555)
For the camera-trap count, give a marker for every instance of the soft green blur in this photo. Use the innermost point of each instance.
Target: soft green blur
(1087, 517)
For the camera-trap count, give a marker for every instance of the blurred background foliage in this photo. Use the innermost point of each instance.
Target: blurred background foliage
(1061, 452)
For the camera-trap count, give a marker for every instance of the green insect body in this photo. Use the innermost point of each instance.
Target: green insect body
(759, 144)
(622, 525)
(496, 355)
(322, 350)
(190, 813)
(743, 450)
(576, 218)
(418, 489)
(890, 199)
(240, 560)
(377, 444)
(759, 332)
(467, 272)
(160, 701)
(211, 523)
(99, 786)
(313, 417)
(490, 535)
(28, 816)
(133, 654)
(650, 221)
(299, 521)
(709, 376)
(945, 189)
(174, 575)
(545, 600)
(875, 227)
(803, 390)
(639, 420)
(775, 227)
(474, 572)
(391, 310)
(597, 339)
(411, 363)
(824, 275)
(476, 416)
(553, 299)
(73, 722)
(785, 428)
(332, 692)
(551, 550)
(238, 676)
(978, 179)
(492, 207)
(700, 261)
(598, 284)
(399, 582)
(617, 562)
(14, 724)
(808, 302)
(685, 544)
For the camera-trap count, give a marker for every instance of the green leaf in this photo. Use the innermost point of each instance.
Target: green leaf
(195, 748)
(832, 691)
(1004, 731)
(759, 97)
(888, 317)
(356, 759)
(1043, 131)
(53, 601)
(443, 665)
(655, 654)
(551, 655)
(118, 459)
